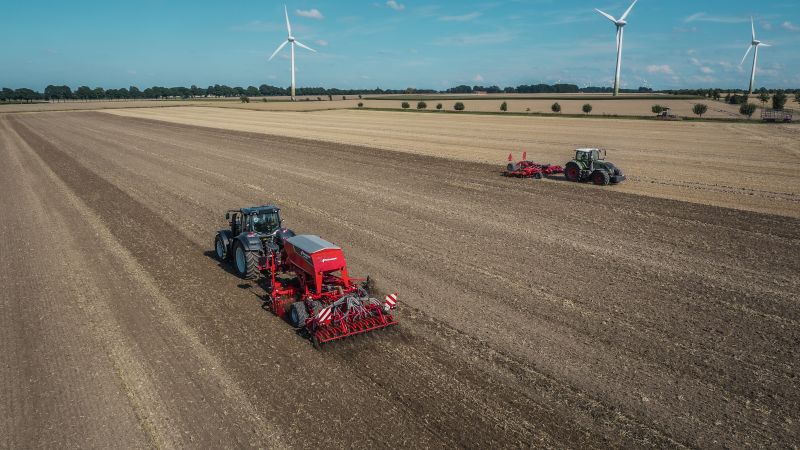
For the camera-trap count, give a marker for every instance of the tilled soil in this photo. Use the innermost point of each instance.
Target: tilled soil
(733, 165)
(533, 313)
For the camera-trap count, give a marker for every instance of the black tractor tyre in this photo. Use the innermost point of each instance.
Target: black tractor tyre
(600, 178)
(512, 167)
(298, 314)
(572, 171)
(220, 249)
(537, 175)
(245, 263)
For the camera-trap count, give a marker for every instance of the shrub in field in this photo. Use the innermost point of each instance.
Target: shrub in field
(405, 105)
(657, 109)
(587, 108)
(422, 105)
(797, 96)
(438, 106)
(244, 99)
(555, 107)
(779, 100)
(529, 110)
(360, 104)
(264, 100)
(359, 96)
(504, 106)
(763, 97)
(344, 98)
(458, 106)
(700, 109)
(747, 109)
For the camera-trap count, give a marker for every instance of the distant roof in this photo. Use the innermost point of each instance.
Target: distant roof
(311, 243)
(260, 209)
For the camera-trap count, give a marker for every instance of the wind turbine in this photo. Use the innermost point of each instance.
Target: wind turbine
(290, 40)
(620, 24)
(755, 43)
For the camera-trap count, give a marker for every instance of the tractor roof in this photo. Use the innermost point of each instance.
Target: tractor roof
(260, 209)
(585, 149)
(310, 243)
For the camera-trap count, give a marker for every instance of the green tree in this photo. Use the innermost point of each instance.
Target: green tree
(504, 106)
(83, 92)
(747, 109)
(360, 104)
(555, 107)
(779, 100)
(700, 109)
(587, 108)
(422, 105)
(458, 106)
(438, 106)
(764, 97)
(405, 105)
(797, 96)
(244, 99)
(657, 109)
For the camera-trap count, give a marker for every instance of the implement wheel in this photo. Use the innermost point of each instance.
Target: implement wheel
(572, 172)
(245, 263)
(298, 314)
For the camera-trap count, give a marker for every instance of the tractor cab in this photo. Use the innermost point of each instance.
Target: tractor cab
(588, 155)
(261, 219)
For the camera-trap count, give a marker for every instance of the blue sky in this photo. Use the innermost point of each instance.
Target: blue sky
(395, 44)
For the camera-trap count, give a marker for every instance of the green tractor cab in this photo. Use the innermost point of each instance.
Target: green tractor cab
(590, 165)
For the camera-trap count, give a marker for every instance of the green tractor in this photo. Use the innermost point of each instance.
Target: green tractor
(590, 164)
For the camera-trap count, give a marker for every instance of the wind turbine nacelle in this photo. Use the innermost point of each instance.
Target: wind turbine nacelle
(621, 23)
(290, 39)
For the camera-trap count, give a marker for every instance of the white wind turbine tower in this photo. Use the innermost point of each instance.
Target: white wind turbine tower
(290, 40)
(755, 43)
(620, 24)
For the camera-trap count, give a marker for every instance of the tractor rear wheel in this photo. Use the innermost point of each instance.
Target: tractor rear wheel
(220, 249)
(298, 314)
(572, 172)
(246, 263)
(600, 178)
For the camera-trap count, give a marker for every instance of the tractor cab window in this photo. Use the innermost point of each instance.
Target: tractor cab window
(595, 155)
(266, 222)
(582, 156)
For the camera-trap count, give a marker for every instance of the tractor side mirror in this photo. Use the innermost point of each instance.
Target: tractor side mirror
(227, 216)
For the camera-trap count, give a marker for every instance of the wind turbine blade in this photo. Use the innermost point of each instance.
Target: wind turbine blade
(745, 54)
(305, 46)
(764, 45)
(628, 11)
(608, 16)
(753, 27)
(280, 47)
(288, 26)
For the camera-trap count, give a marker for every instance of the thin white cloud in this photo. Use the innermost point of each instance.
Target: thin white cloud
(477, 77)
(395, 6)
(706, 70)
(766, 25)
(321, 42)
(662, 69)
(703, 17)
(461, 18)
(790, 26)
(475, 39)
(310, 13)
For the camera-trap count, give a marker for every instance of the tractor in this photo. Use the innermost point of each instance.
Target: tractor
(590, 165)
(305, 276)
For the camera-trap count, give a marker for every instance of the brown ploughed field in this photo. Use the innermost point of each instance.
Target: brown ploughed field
(533, 314)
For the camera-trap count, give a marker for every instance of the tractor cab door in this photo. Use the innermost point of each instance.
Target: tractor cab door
(236, 223)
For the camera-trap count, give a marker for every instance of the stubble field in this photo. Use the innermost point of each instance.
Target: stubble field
(533, 313)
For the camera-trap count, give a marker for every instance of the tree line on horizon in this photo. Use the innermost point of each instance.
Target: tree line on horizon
(63, 92)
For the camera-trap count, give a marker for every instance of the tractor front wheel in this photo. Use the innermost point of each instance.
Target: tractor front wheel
(246, 263)
(220, 249)
(572, 172)
(600, 178)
